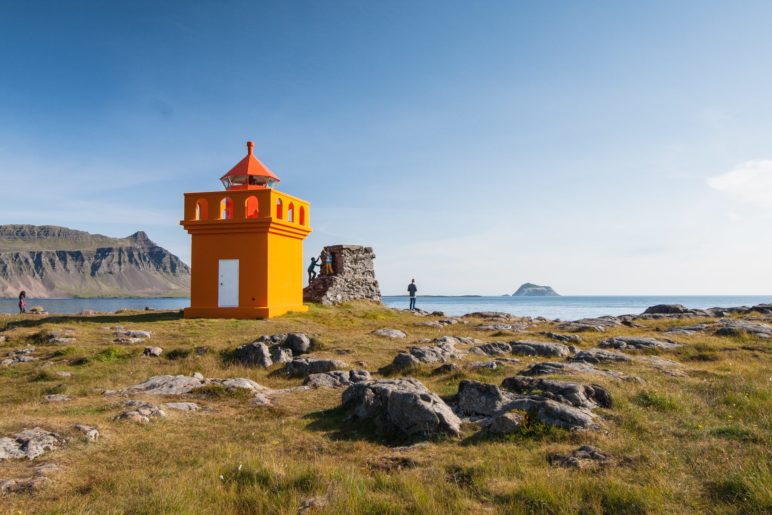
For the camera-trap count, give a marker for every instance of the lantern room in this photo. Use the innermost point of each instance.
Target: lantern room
(246, 245)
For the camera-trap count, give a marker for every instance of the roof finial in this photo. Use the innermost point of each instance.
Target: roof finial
(250, 146)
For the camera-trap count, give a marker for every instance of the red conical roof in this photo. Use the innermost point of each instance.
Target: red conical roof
(250, 166)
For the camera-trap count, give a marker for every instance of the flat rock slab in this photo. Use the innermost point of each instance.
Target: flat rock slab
(337, 378)
(582, 457)
(444, 351)
(302, 367)
(400, 407)
(556, 368)
(29, 444)
(745, 327)
(389, 333)
(637, 343)
(595, 356)
(597, 325)
(91, 433)
(531, 348)
(140, 412)
(588, 396)
(182, 406)
(166, 385)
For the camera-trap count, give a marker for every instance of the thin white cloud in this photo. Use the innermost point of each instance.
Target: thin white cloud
(749, 182)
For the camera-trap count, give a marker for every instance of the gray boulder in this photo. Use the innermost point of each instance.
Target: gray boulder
(253, 354)
(600, 356)
(29, 444)
(400, 407)
(91, 433)
(166, 385)
(280, 354)
(745, 328)
(298, 343)
(492, 349)
(337, 378)
(530, 348)
(444, 351)
(153, 352)
(563, 415)
(475, 399)
(141, 412)
(575, 394)
(563, 338)
(302, 367)
(666, 309)
(553, 368)
(504, 424)
(182, 406)
(637, 343)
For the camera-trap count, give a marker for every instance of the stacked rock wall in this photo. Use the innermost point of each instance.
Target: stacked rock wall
(353, 277)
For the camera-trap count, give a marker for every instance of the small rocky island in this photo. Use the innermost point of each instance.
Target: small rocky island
(534, 290)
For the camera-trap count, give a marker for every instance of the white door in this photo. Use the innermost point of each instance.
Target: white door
(228, 290)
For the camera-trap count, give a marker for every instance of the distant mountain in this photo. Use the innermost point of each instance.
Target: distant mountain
(534, 290)
(51, 261)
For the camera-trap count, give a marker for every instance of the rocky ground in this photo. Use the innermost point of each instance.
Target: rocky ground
(361, 408)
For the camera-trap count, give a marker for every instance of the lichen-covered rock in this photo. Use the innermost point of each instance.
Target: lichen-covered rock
(637, 343)
(337, 378)
(238, 383)
(504, 423)
(152, 352)
(600, 356)
(444, 351)
(400, 407)
(353, 277)
(182, 406)
(743, 328)
(530, 348)
(598, 325)
(475, 398)
(563, 338)
(29, 444)
(576, 394)
(302, 367)
(140, 412)
(551, 367)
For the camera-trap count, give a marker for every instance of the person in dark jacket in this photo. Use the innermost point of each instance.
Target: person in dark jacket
(311, 269)
(411, 289)
(22, 302)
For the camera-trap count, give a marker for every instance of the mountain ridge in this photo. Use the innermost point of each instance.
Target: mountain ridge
(52, 261)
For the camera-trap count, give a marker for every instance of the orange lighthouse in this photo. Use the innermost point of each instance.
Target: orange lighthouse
(247, 246)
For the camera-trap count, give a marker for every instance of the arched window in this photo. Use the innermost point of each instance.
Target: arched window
(291, 212)
(302, 216)
(201, 211)
(226, 209)
(250, 207)
(279, 210)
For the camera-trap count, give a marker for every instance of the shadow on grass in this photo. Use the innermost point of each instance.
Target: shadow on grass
(339, 427)
(149, 317)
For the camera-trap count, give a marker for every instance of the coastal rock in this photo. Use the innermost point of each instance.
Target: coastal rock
(550, 368)
(302, 367)
(666, 309)
(596, 356)
(444, 351)
(353, 277)
(492, 349)
(337, 378)
(637, 343)
(582, 457)
(56, 397)
(182, 406)
(598, 325)
(744, 328)
(400, 407)
(505, 424)
(690, 330)
(18, 356)
(575, 394)
(238, 383)
(563, 338)
(389, 333)
(475, 398)
(447, 368)
(29, 444)
(530, 348)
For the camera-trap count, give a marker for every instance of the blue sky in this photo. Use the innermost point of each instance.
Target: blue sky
(598, 147)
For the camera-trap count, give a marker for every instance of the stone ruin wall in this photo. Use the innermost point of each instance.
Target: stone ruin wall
(353, 278)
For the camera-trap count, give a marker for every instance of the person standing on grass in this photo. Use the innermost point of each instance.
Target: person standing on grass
(22, 302)
(411, 289)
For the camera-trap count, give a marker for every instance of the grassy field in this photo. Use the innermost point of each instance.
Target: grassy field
(696, 443)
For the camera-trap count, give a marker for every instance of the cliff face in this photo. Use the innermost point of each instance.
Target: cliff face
(50, 261)
(534, 290)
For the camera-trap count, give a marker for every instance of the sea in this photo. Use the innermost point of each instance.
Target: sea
(563, 308)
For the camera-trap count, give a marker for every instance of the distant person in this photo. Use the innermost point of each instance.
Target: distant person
(327, 269)
(22, 302)
(312, 269)
(411, 289)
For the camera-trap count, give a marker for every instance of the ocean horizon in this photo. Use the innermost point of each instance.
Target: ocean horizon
(561, 307)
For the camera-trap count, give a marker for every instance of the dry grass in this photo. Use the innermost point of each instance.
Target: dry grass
(698, 443)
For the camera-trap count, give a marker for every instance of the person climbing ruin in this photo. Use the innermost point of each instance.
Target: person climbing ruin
(22, 302)
(327, 269)
(412, 289)
(312, 269)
